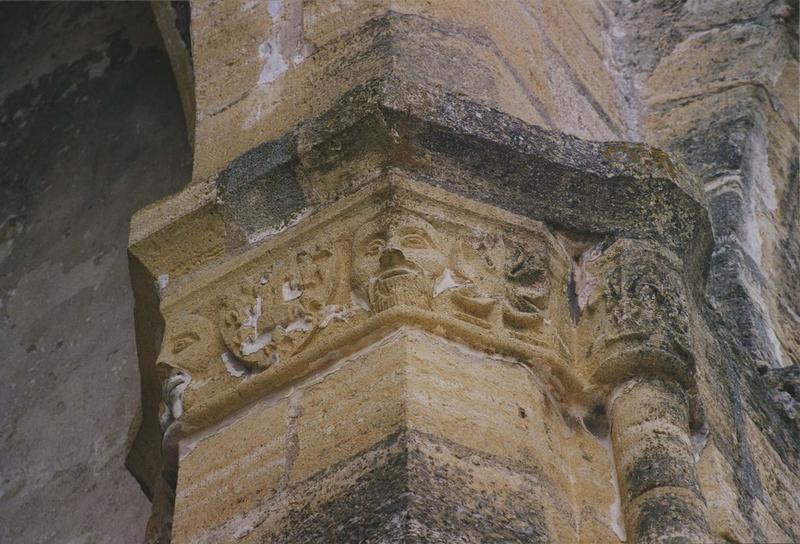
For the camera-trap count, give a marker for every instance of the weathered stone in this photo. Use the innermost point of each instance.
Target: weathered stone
(411, 310)
(428, 282)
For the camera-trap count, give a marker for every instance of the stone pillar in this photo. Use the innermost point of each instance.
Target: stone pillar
(365, 300)
(655, 463)
(380, 375)
(636, 336)
(412, 437)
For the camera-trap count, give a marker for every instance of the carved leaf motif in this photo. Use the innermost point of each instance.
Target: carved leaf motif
(528, 277)
(645, 302)
(273, 316)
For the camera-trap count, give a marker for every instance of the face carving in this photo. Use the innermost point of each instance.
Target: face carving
(190, 343)
(295, 297)
(397, 261)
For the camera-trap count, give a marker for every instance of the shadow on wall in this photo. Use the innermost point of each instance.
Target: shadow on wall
(91, 129)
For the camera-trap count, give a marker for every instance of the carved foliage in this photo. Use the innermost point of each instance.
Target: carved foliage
(273, 315)
(511, 281)
(643, 302)
(639, 303)
(530, 278)
(399, 258)
(508, 280)
(496, 280)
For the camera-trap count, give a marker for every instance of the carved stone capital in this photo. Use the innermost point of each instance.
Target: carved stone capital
(406, 219)
(634, 318)
(389, 256)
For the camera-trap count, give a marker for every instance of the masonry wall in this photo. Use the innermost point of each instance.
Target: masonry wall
(91, 129)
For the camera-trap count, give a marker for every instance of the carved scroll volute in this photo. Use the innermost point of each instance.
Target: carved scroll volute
(635, 322)
(273, 315)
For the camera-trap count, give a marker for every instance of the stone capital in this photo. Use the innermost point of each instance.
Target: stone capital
(435, 231)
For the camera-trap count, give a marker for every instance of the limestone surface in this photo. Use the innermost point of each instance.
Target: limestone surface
(430, 282)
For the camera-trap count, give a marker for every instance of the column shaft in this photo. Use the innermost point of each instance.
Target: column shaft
(655, 464)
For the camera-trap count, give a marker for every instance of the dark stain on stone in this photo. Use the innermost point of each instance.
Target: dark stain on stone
(410, 487)
(365, 500)
(259, 189)
(447, 504)
(670, 518)
(183, 18)
(572, 297)
(558, 193)
(596, 422)
(656, 468)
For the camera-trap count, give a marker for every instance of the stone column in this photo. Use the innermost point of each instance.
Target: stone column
(655, 463)
(380, 375)
(634, 326)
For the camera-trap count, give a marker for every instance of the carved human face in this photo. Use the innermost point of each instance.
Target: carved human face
(189, 343)
(397, 261)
